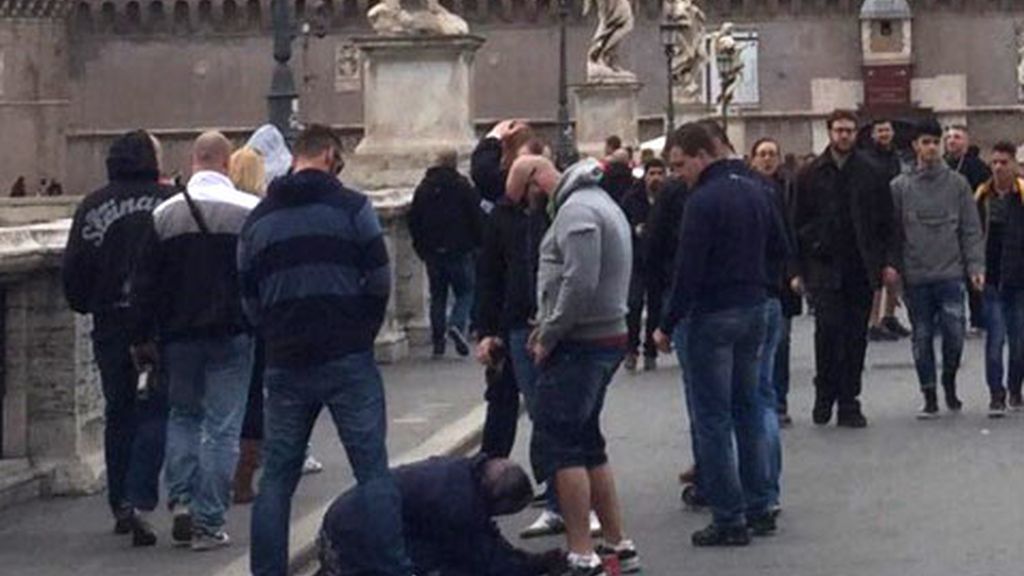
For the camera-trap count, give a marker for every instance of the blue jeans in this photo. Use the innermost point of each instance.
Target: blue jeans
(937, 307)
(722, 361)
(353, 392)
(1013, 308)
(135, 430)
(208, 384)
(526, 372)
(456, 272)
(781, 377)
(766, 393)
(995, 339)
(679, 343)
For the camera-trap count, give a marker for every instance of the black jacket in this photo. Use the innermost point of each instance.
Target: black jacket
(186, 283)
(664, 221)
(781, 190)
(445, 214)
(1011, 269)
(844, 222)
(106, 232)
(637, 206)
(485, 170)
(618, 180)
(507, 270)
(887, 160)
(972, 167)
(446, 523)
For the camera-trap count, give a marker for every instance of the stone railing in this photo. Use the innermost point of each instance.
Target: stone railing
(51, 406)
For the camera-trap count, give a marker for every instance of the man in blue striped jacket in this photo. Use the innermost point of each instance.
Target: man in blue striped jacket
(315, 282)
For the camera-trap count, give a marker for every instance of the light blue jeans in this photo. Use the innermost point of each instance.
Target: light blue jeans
(766, 391)
(208, 383)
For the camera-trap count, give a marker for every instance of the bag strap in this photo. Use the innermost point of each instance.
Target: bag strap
(197, 214)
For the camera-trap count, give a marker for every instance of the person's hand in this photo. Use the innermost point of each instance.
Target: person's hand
(145, 356)
(539, 352)
(662, 341)
(890, 277)
(797, 285)
(506, 128)
(486, 348)
(978, 282)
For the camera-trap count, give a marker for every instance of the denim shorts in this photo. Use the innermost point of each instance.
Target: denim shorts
(569, 397)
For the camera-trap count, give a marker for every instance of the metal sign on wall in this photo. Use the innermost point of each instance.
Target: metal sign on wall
(346, 68)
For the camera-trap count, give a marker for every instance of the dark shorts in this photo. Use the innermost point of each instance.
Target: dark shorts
(569, 397)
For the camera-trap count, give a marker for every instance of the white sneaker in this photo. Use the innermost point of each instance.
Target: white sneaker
(550, 523)
(203, 541)
(547, 524)
(312, 465)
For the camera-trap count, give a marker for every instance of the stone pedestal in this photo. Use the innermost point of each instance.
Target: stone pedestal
(417, 100)
(603, 110)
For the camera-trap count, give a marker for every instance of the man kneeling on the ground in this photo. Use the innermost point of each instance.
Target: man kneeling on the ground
(448, 506)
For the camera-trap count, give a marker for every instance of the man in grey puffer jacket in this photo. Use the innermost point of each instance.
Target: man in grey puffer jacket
(582, 285)
(939, 242)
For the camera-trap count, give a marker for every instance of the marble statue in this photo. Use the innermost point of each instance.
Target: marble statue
(1020, 63)
(389, 18)
(727, 54)
(614, 22)
(690, 53)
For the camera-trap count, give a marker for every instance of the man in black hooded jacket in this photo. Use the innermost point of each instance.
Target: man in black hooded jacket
(108, 227)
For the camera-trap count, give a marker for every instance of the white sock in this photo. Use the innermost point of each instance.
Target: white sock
(584, 560)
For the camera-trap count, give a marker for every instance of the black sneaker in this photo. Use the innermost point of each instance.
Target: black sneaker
(123, 522)
(625, 552)
(142, 531)
(715, 535)
(952, 402)
(880, 334)
(930, 410)
(1016, 402)
(650, 363)
(997, 405)
(822, 413)
(461, 346)
(892, 324)
(762, 524)
(181, 528)
(852, 420)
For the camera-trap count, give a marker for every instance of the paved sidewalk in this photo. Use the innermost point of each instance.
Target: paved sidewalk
(901, 498)
(73, 536)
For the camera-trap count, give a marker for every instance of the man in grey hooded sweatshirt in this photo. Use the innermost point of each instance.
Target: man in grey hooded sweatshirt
(582, 286)
(939, 242)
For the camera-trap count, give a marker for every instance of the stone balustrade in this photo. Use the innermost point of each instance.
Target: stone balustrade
(51, 406)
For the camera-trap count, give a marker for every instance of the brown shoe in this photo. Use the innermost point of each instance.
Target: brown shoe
(248, 462)
(689, 476)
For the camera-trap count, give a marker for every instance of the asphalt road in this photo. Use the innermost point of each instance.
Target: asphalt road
(900, 498)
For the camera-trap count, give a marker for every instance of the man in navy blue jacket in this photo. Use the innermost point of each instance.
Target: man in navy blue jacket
(315, 281)
(448, 510)
(729, 233)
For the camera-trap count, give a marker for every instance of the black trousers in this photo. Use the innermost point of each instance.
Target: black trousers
(502, 396)
(643, 292)
(840, 343)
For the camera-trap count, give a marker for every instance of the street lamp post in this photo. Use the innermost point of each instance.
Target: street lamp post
(282, 98)
(669, 38)
(565, 150)
(725, 63)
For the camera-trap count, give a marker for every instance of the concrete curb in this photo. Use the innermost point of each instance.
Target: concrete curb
(455, 439)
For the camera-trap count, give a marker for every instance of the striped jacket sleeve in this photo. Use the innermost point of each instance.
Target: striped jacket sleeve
(374, 264)
(248, 283)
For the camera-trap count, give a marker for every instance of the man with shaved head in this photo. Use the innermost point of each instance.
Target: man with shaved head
(189, 324)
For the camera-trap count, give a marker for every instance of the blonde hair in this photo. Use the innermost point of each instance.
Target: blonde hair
(247, 171)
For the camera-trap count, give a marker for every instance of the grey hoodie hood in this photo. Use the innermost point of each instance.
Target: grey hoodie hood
(269, 142)
(586, 173)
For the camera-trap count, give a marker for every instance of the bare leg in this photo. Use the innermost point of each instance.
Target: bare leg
(605, 500)
(876, 310)
(573, 488)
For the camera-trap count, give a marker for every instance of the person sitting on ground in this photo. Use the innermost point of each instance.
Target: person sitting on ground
(448, 510)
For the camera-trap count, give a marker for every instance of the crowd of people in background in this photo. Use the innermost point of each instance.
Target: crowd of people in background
(229, 311)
